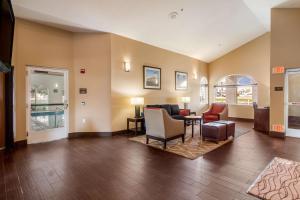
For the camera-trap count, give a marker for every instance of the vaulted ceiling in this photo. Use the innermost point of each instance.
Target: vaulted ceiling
(202, 29)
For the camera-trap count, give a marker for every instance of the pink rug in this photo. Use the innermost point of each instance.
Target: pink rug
(279, 180)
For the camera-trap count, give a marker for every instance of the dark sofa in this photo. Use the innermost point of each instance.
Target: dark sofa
(173, 109)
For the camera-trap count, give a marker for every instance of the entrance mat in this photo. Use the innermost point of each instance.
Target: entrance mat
(279, 180)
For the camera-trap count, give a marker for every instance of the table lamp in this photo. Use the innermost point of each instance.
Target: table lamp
(137, 102)
(185, 101)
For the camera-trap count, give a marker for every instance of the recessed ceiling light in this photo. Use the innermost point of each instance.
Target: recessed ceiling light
(173, 15)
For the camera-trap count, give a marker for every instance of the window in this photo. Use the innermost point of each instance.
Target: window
(204, 91)
(220, 95)
(244, 95)
(236, 89)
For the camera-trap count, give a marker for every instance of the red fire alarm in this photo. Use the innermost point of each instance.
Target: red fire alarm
(82, 71)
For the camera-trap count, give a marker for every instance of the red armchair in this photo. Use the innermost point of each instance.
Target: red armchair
(217, 111)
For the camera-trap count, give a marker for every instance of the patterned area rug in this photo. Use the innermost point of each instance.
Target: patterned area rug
(280, 180)
(192, 148)
(239, 131)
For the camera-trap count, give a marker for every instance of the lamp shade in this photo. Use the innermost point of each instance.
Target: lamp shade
(185, 99)
(137, 100)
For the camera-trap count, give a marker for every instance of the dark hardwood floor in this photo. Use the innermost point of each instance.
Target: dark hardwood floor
(116, 168)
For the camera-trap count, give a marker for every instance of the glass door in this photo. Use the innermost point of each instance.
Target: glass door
(47, 105)
(292, 103)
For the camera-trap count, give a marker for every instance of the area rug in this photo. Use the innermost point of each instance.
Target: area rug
(279, 180)
(239, 131)
(192, 148)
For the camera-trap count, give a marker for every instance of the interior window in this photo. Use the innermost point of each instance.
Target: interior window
(236, 89)
(244, 95)
(220, 96)
(204, 91)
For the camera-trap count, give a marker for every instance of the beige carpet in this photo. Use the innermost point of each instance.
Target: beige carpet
(192, 148)
(279, 180)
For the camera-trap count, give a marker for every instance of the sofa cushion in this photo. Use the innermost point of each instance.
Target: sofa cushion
(167, 107)
(178, 117)
(211, 117)
(153, 106)
(217, 108)
(174, 109)
(184, 112)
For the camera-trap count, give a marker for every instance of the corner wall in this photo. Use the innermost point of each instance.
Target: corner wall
(92, 52)
(129, 84)
(251, 59)
(39, 45)
(109, 87)
(285, 48)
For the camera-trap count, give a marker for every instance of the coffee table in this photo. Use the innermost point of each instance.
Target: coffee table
(193, 119)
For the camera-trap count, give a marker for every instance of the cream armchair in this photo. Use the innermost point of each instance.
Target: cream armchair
(161, 126)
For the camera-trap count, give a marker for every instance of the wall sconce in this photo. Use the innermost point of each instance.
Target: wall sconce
(126, 66)
(195, 76)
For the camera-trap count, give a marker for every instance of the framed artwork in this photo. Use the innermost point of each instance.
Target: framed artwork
(152, 78)
(181, 80)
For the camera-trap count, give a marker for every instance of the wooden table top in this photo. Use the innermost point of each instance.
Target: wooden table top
(193, 117)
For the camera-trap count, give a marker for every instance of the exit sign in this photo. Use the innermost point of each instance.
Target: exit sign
(278, 128)
(278, 70)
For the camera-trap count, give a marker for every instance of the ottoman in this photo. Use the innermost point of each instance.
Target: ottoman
(230, 127)
(214, 131)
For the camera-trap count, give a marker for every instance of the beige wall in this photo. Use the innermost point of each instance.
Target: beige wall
(92, 52)
(109, 87)
(251, 59)
(129, 84)
(39, 45)
(285, 48)
(2, 110)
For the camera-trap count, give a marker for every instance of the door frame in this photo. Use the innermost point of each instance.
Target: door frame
(288, 131)
(29, 69)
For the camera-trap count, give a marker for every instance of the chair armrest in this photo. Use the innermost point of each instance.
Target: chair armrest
(207, 112)
(224, 114)
(174, 127)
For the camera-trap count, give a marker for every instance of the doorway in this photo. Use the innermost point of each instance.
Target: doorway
(292, 102)
(47, 104)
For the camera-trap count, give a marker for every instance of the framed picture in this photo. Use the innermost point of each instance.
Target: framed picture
(152, 78)
(181, 80)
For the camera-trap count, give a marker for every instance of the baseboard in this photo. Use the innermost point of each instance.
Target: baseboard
(277, 134)
(20, 143)
(240, 119)
(94, 134)
(17, 144)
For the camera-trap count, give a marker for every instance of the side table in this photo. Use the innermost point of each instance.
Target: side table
(136, 122)
(193, 119)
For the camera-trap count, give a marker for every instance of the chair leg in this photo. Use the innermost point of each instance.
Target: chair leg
(165, 144)
(182, 137)
(147, 140)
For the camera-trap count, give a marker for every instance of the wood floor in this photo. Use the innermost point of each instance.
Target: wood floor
(116, 168)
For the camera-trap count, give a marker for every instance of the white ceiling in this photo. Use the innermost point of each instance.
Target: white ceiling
(205, 29)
